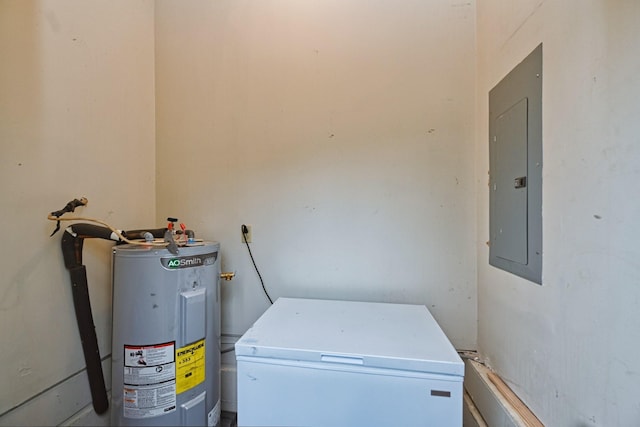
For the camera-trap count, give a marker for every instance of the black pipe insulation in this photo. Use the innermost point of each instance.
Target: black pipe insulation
(158, 233)
(72, 242)
(87, 329)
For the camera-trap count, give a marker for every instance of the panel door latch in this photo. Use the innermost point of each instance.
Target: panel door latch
(520, 182)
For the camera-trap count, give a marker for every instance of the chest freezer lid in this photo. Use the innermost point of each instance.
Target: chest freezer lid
(394, 336)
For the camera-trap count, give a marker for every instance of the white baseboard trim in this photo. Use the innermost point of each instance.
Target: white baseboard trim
(494, 409)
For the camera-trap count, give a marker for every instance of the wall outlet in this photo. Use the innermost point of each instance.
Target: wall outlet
(246, 235)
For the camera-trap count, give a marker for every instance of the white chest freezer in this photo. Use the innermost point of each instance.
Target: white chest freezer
(338, 363)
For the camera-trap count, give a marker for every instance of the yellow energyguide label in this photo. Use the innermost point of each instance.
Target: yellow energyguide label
(190, 366)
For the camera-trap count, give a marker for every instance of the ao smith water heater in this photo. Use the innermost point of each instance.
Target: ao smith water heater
(166, 323)
(166, 327)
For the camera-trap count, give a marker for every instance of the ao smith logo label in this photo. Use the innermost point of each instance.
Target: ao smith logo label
(174, 263)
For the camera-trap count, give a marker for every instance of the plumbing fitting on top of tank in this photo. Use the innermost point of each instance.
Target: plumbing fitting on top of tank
(171, 238)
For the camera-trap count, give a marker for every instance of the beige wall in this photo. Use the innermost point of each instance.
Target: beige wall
(344, 133)
(569, 347)
(341, 131)
(76, 119)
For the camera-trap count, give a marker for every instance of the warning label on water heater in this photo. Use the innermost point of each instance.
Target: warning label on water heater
(149, 380)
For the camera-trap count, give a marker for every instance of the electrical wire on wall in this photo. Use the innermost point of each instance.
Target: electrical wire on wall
(245, 231)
